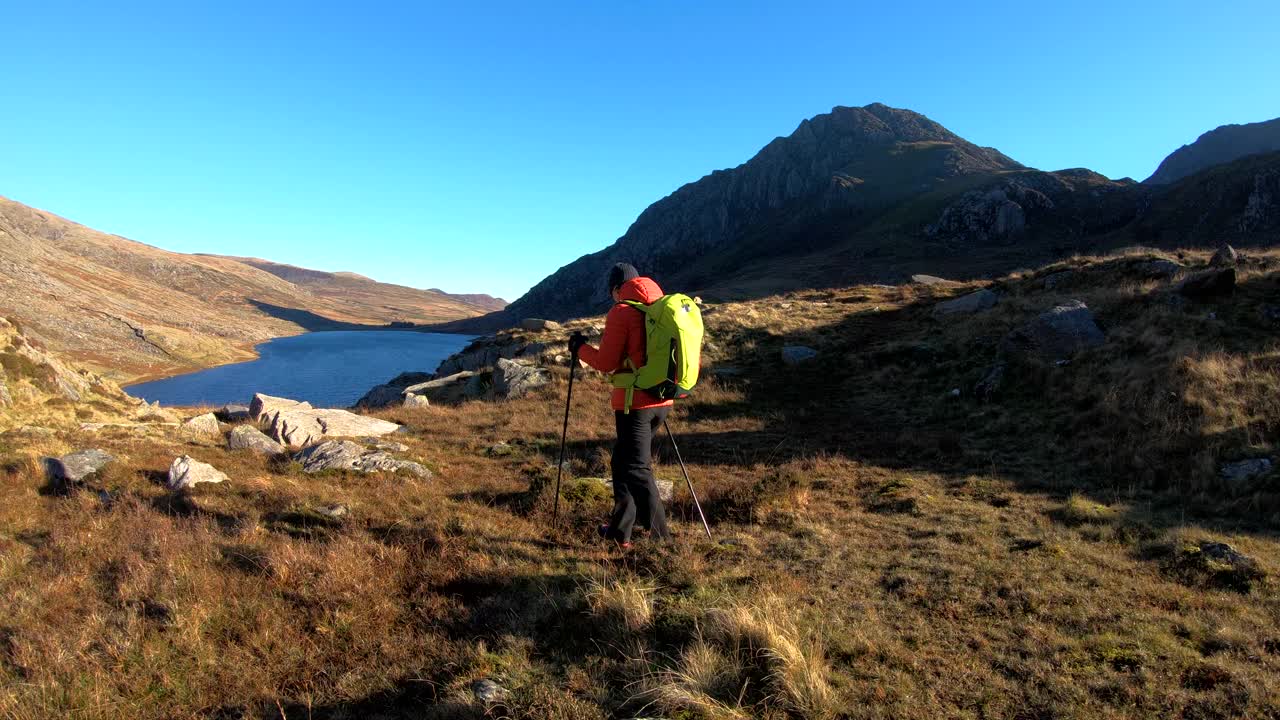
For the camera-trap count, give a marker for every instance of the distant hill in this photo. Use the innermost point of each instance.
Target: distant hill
(129, 310)
(1221, 145)
(380, 299)
(874, 194)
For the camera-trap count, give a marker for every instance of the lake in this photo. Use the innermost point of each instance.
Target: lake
(327, 369)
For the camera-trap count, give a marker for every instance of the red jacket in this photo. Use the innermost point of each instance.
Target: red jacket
(624, 337)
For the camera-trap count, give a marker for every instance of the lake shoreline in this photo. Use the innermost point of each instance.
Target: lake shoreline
(343, 356)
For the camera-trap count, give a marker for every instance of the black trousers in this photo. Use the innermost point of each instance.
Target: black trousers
(635, 495)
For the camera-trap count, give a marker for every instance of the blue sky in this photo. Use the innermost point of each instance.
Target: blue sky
(478, 147)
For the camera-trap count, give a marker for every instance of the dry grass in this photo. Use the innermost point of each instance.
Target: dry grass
(882, 550)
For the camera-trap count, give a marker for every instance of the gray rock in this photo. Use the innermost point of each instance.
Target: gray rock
(264, 408)
(796, 354)
(666, 488)
(538, 324)
(488, 692)
(513, 380)
(383, 444)
(1158, 269)
(248, 437)
(499, 450)
(301, 427)
(531, 350)
(930, 280)
(202, 427)
(1057, 334)
(966, 304)
(416, 401)
(186, 472)
(233, 413)
(347, 455)
(333, 512)
(1209, 283)
(76, 467)
(1225, 257)
(1241, 472)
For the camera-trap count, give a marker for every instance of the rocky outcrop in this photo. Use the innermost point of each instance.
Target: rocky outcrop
(392, 393)
(1056, 335)
(233, 413)
(186, 472)
(302, 426)
(991, 215)
(1241, 472)
(347, 455)
(1218, 146)
(514, 380)
(1158, 269)
(966, 304)
(248, 437)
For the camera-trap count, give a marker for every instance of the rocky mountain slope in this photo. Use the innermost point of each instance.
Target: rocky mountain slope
(1220, 145)
(129, 310)
(877, 194)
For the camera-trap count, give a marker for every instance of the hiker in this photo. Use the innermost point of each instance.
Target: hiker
(635, 494)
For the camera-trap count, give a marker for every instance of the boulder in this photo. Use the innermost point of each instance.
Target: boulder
(1241, 472)
(333, 512)
(264, 408)
(202, 427)
(796, 354)
(1209, 283)
(416, 401)
(248, 437)
(186, 472)
(383, 444)
(1057, 334)
(76, 467)
(347, 455)
(301, 427)
(1225, 257)
(513, 380)
(538, 324)
(499, 450)
(1158, 269)
(966, 304)
(232, 413)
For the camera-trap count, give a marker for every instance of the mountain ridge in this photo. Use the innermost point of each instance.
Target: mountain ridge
(1223, 144)
(872, 194)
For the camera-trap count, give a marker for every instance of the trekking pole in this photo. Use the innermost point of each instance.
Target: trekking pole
(693, 494)
(564, 436)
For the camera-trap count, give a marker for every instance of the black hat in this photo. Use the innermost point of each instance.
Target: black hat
(621, 273)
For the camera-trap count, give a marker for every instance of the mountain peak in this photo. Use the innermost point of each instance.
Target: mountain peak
(1220, 145)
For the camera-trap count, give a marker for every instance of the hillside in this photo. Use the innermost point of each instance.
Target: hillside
(1220, 145)
(360, 294)
(128, 310)
(877, 194)
(1075, 516)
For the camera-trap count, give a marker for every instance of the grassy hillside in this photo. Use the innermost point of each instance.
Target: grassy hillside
(128, 310)
(884, 547)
